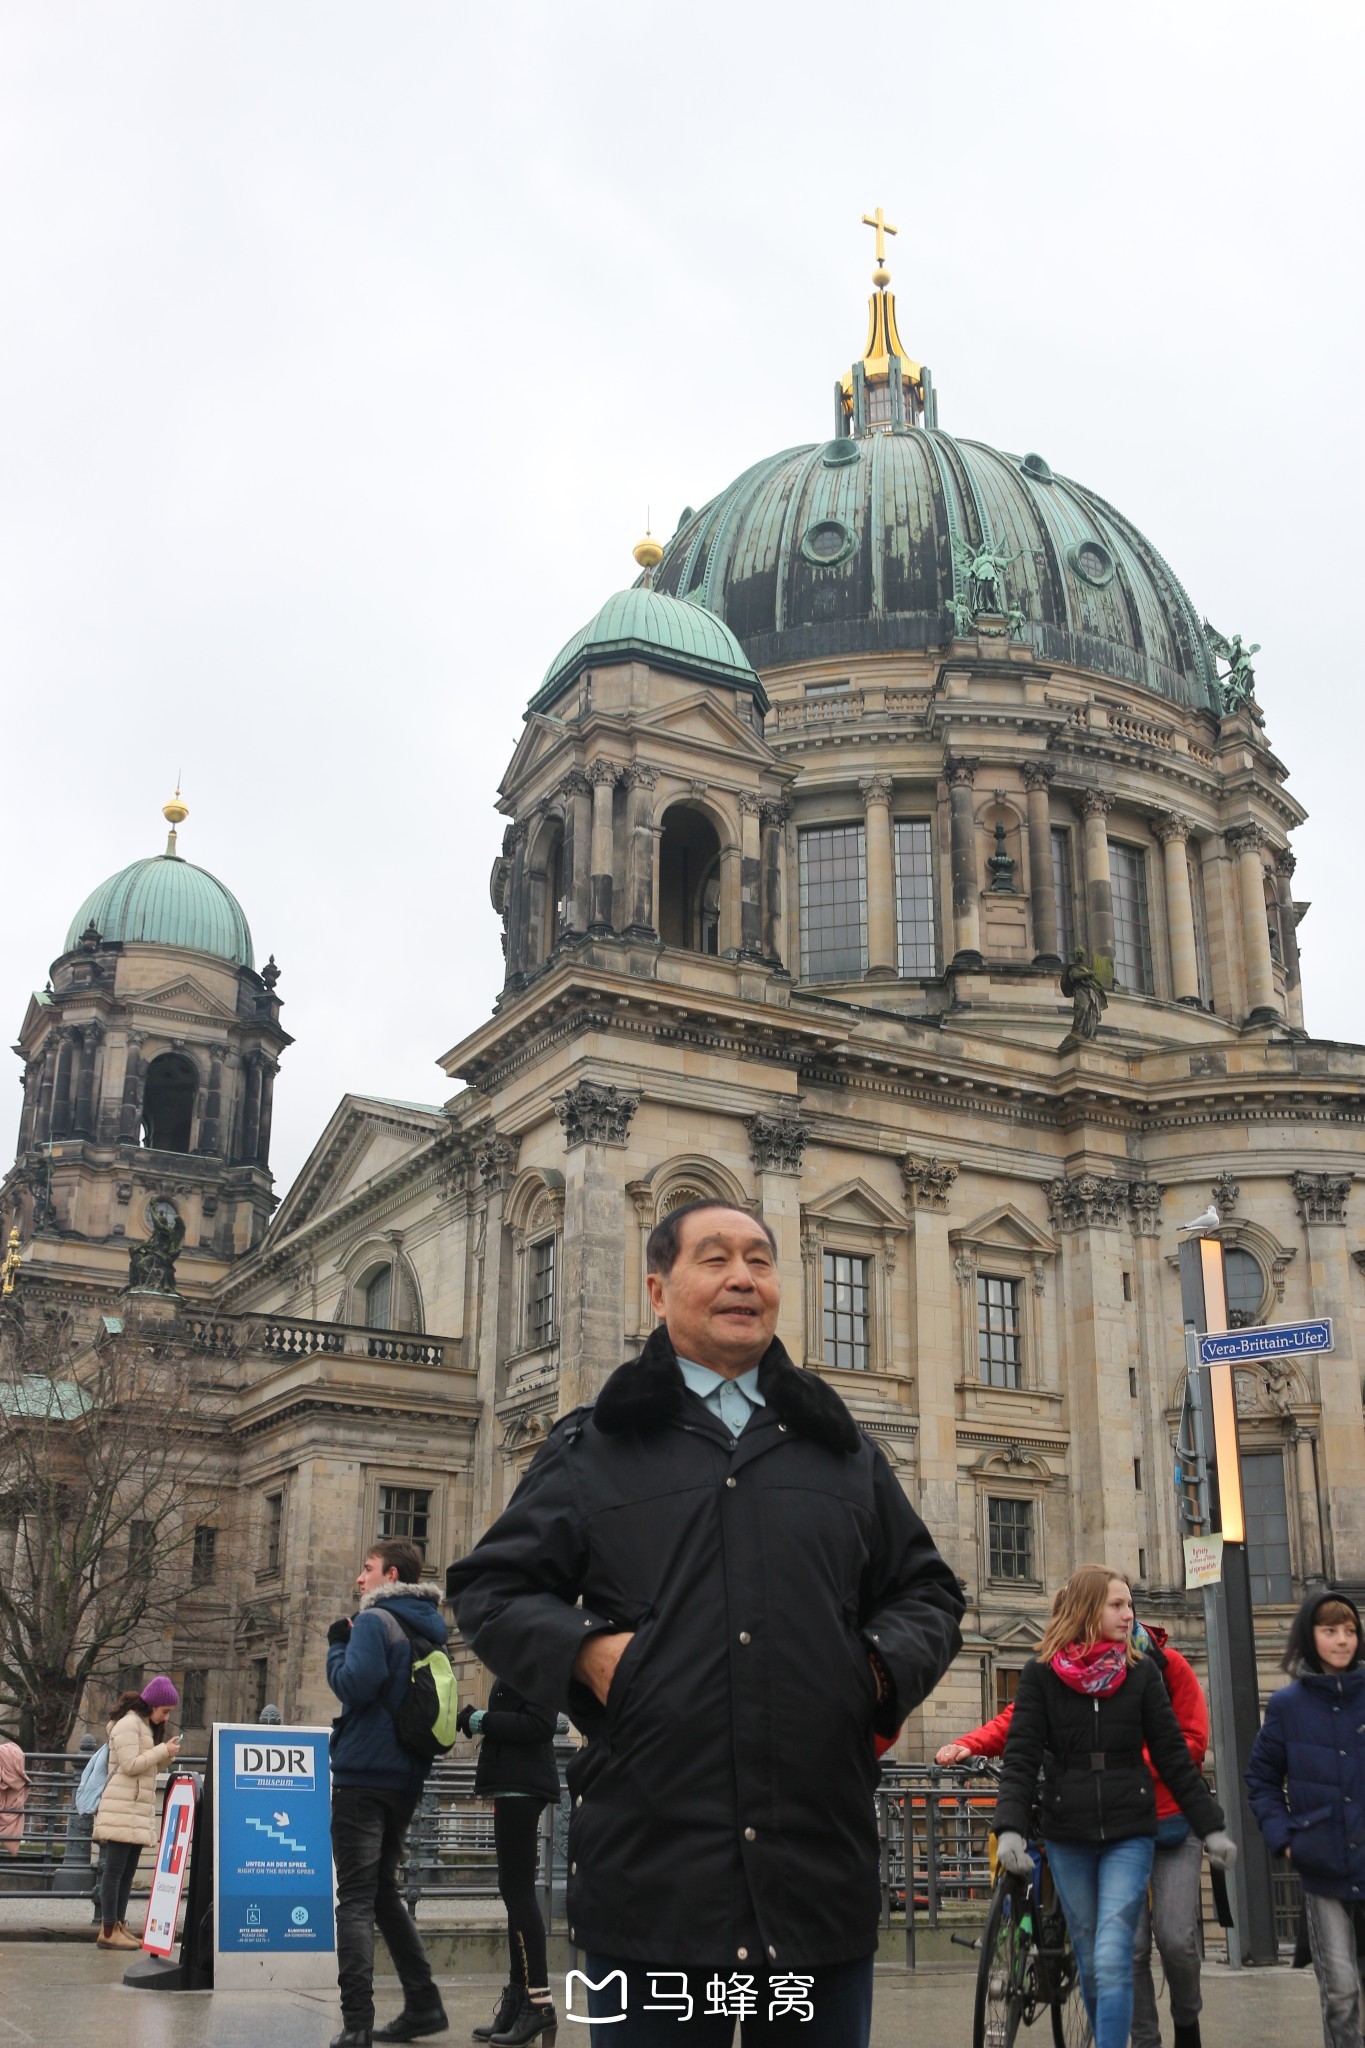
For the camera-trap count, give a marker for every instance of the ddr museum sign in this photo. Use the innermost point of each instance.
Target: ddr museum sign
(273, 1895)
(1275, 1340)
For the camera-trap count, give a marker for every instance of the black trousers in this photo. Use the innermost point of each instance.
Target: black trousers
(120, 1861)
(516, 1833)
(368, 1828)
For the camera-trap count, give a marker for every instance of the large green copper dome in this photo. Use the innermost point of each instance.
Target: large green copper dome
(166, 901)
(847, 547)
(644, 624)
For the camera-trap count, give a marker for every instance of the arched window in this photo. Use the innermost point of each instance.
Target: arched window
(379, 1300)
(168, 1103)
(1245, 1287)
(689, 882)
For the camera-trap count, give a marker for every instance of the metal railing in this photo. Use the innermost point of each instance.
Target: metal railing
(933, 1832)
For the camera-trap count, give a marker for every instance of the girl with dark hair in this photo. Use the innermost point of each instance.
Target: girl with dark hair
(127, 1819)
(1088, 1706)
(1306, 1785)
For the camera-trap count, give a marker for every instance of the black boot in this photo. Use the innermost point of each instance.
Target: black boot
(505, 2014)
(1187, 2036)
(352, 2037)
(530, 2022)
(414, 2020)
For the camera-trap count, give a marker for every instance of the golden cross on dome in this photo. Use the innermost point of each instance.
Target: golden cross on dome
(884, 228)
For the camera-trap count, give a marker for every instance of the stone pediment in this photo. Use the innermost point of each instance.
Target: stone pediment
(537, 740)
(364, 1139)
(184, 993)
(701, 719)
(1005, 1229)
(1020, 1632)
(856, 1201)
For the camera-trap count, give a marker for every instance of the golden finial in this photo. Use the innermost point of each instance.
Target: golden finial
(175, 813)
(648, 553)
(9, 1268)
(881, 276)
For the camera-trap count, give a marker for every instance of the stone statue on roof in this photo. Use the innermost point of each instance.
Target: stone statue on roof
(983, 567)
(1083, 985)
(1238, 687)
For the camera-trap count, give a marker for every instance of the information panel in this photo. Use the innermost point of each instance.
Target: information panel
(172, 1865)
(273, 1894)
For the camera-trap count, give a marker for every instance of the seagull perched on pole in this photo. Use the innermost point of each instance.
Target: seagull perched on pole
(1201, 1225)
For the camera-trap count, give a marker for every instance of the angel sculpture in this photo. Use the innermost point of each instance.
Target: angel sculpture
(984, 568)
(151, 1262)
(1083, 985)
(1238, 686)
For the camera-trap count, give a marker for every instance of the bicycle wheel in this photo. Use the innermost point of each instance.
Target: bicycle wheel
(1070, 2020)
(1002, 1974)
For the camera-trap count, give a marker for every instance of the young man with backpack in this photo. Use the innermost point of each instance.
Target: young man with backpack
(389, 1669)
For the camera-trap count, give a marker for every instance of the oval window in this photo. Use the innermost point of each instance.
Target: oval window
(1092, 560)
(827, 542)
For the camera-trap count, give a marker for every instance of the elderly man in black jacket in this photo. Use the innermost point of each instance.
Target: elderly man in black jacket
(719, 1578)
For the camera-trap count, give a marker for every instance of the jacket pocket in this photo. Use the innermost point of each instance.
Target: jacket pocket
(623, 1677)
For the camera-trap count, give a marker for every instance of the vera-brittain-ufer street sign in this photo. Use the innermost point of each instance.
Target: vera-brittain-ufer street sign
(1275, 1340)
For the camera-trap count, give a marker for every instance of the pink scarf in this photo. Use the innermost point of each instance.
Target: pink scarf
(1092, 1668)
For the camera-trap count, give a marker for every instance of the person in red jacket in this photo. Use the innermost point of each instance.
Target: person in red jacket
(1172, 1915)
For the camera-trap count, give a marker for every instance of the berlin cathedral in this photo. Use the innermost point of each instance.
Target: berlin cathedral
(902, 854)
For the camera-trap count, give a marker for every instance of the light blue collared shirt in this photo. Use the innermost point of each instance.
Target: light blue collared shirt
(731, 1401)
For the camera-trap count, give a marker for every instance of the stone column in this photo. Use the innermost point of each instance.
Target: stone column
(134, 1079)
(1096, 805)
(602, 775)
(1289, 933)
(641, 778)
(1322, 1200)
(1310, 1518)
(928, 1194)
(1246, 842)
(210, 1136)
(750, 877)
(577, 793)
(42, 1122)
(1088, 1212)
(491, 1310)
(516, 903)
(83, 1125)
(28, 1109)
(269, 1069)
(251, 1120)
(966, 878)
(596, 1123)
(1042, 896)
(776, 1147)
(773, 819)
(537, 888)
(1173, 831)
(882, 964)
(61, 1090)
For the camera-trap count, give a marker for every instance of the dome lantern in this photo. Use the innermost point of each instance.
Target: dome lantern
(886, 390)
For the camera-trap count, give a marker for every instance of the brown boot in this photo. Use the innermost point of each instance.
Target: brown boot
(116, 1937)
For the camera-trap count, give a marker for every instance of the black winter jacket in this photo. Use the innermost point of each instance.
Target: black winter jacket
(517, 1752)
(1306, 1779)
(1096, 1787)
(723, 1806)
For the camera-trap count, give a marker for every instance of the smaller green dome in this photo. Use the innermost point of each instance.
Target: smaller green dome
(166, 901)
(648, 625)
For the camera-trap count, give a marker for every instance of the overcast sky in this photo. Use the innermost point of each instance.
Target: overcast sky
(343, 347)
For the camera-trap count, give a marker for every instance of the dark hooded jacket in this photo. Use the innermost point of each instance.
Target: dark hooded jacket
(517, 1752)
(723, 1807)
(368, 1673)
(1306, 1777)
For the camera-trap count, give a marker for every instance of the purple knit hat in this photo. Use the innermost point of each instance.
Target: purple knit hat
(159, 1692)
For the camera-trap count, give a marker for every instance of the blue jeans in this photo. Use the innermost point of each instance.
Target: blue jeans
(1102, 1887)
(837, 2012)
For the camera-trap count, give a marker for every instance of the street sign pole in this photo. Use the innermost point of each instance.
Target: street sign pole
(1234, 1689)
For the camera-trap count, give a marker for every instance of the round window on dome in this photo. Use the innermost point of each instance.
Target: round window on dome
(1092, 562)
(838, 454)
(827, 542)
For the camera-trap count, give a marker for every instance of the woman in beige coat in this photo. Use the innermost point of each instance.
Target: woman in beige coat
(128, 1819)
(14, 1784)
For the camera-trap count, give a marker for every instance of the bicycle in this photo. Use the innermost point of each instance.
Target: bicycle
(1028, 1966)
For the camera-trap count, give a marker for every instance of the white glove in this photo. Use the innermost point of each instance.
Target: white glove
(1011, 1852)
(1222, 1849)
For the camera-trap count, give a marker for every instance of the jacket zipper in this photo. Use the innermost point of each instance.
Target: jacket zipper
(1099, 1799)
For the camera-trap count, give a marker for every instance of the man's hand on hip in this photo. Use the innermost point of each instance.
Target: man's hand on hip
(595, 1665)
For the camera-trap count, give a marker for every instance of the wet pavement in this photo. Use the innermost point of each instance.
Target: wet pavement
(56, 1994)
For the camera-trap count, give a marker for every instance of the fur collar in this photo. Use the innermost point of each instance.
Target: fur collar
(648, 1392)
(424, 1589)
